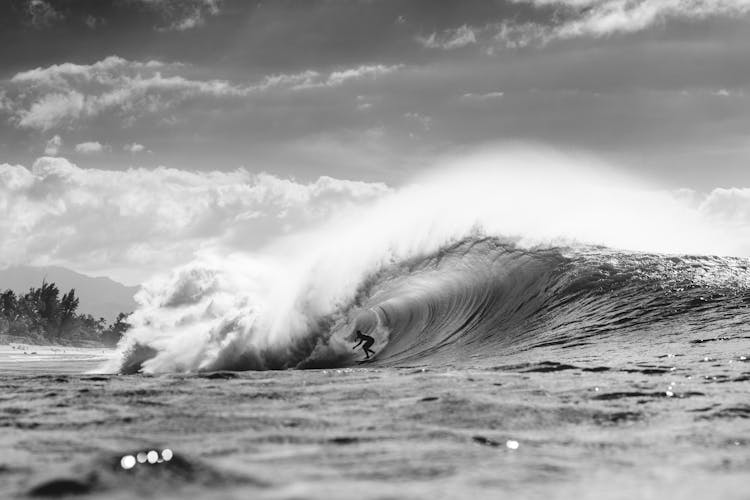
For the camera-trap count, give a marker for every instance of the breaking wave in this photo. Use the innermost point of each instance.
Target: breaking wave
(495, 256)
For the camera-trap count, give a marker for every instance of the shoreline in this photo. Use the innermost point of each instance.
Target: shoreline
(22, 358)
(19, 340)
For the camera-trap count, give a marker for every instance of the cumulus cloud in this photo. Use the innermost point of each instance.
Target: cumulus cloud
(517, 35)
(732, 204)
(42, 14)
(363, 103)
(53, 146)
(94, 22)
(63, 94)
(338, 78)
(470, 96)
(313, 79)
(90, 147)
(101, 72)
(112, 222)
(603, 17)
(423, 120)
(45, 98)
(51, 109)
(568, 19)
(134, 147)
(606, 17)
(728, 208)
(449, 39)
(181, 15)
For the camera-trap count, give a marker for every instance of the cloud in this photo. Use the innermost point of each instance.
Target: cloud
(181, 15)
(424, 121)
(449, 39)
(94, 22)
(364, 103)
(113, 222)
(42, 14)
(134, 147)
(722, 92)
(727, 208)
(63, 94)
(51, 109)
(607, 17)
(482, 97)
(310, 79)
(293, 80)
(53, 146)
(102, 72)
(338, 78)
(90, 147)
(517, 35)
(728, 204)
(569, 19)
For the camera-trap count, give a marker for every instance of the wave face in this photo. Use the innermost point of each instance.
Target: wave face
(500, 257)
(481, 300)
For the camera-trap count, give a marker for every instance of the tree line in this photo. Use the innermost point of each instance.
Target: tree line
(43, 315)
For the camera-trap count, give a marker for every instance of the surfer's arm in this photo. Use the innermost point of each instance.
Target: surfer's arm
(358, 344)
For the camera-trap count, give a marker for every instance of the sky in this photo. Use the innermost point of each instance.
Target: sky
(135, 132)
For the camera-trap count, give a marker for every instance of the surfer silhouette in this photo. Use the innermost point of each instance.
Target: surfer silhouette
(366, 342)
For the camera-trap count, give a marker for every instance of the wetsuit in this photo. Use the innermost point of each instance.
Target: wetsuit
(366, 342)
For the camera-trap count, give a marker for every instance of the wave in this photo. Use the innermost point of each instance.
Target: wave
(484, 298)
(462, 268)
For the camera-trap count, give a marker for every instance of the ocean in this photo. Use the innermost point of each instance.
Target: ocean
(500, 371)
(542, 329)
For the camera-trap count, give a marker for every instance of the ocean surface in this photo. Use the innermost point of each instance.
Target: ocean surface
(501, 371)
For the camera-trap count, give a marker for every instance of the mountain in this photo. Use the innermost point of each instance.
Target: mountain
(100, 297)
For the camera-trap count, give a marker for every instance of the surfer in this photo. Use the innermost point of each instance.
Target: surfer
(368, 341)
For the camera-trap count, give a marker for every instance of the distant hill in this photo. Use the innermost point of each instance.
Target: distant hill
(100, 297)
